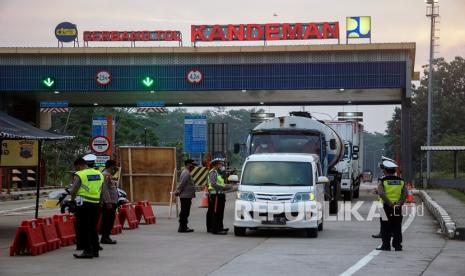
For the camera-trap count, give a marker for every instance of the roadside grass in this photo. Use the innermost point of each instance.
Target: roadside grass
(457, 194)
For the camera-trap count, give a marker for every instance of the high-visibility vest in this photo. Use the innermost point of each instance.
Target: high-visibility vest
(219, 181)
(393, 189)
(91, 185)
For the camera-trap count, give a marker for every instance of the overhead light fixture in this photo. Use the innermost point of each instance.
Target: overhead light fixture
(56, 92)
(95, 104)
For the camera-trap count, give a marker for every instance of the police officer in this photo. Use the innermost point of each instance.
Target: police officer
(381, 166)
(186, 191)
(85, 191)
(90, 159)
(109, 200)
(393, 192)
(216, 199)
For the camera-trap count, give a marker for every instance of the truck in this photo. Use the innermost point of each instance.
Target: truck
(281, 191)
(300, 133)
(351, 165)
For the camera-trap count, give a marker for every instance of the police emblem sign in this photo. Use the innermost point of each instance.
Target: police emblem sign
(19, 153)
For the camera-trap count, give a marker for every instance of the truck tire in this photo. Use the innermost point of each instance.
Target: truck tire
(239, 231)
(312, 232)
(357, 192)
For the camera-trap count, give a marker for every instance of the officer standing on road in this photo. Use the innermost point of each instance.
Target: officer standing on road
(381, 166)
(85, 191)
(186, 191)
(217, 198)
(109, 200)
(393, 192)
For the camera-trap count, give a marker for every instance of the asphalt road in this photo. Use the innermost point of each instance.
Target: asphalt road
(343, 246)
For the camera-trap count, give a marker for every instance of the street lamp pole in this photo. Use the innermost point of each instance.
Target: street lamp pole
(432, 14)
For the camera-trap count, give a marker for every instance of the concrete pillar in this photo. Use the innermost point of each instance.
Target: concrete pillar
(45, 120)
(406, 138)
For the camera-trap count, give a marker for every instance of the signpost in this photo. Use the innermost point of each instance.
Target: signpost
(100, 144)
(195, 134)
(101, 159)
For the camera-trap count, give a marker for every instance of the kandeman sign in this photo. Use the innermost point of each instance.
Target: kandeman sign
(271, 31)
(158, 35)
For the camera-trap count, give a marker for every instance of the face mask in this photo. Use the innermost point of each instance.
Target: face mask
(222, 168)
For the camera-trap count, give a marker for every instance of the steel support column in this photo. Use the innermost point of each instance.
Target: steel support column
(406, 138)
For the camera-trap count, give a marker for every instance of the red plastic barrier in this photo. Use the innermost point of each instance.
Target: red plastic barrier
(117, 227)
(29, 239)
(50, 233)
(65, 229)
(144, 209)
(127, 212)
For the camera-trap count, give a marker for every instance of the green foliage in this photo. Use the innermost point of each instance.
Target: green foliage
(448, 126)
(155, 129)
(374, 147)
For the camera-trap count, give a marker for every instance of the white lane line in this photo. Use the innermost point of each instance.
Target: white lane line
(26, 208)
(365, 260)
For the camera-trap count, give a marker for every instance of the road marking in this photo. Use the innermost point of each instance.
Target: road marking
(26, 208)
(365, 260)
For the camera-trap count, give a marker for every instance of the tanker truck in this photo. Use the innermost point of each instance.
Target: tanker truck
(300, 133)
(351, 165)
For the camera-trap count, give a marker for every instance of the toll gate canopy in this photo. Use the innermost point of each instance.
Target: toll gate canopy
(272, 75)
(216, 76)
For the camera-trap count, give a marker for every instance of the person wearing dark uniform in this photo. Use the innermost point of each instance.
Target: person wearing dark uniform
(186, 191)
(216, 199)
(85, 191)
(393, 192)
(109, 200)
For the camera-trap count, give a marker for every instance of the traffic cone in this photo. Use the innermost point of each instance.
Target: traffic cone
(410, 194)
(204, 201)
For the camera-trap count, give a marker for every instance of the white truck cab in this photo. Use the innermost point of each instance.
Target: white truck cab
(280, 190)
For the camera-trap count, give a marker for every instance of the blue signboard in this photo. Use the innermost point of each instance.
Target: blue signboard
(66, 32)
(50, 104)
(99, 128)
(150, 104)
(195, 134)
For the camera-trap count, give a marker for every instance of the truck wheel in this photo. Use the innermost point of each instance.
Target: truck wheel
(312, 232)
(357, 193)
(333, 206)
(239, 231)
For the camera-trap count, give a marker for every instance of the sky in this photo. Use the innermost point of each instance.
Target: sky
(31, 23)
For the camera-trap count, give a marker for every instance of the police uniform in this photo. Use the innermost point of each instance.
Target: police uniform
(392, 191)
(216, 201)
(88, 183)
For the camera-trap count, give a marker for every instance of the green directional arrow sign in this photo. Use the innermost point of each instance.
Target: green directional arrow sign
(148, 82)
(48, 82)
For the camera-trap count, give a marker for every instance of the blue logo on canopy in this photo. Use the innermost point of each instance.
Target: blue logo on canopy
(66, 32)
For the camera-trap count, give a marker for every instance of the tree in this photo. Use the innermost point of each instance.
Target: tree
(448, 102)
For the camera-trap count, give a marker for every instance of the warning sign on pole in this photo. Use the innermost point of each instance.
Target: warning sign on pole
(100, 144)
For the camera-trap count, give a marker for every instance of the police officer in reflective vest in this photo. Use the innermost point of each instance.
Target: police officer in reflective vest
(393, 192)
(216, 199)
(85, 191)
